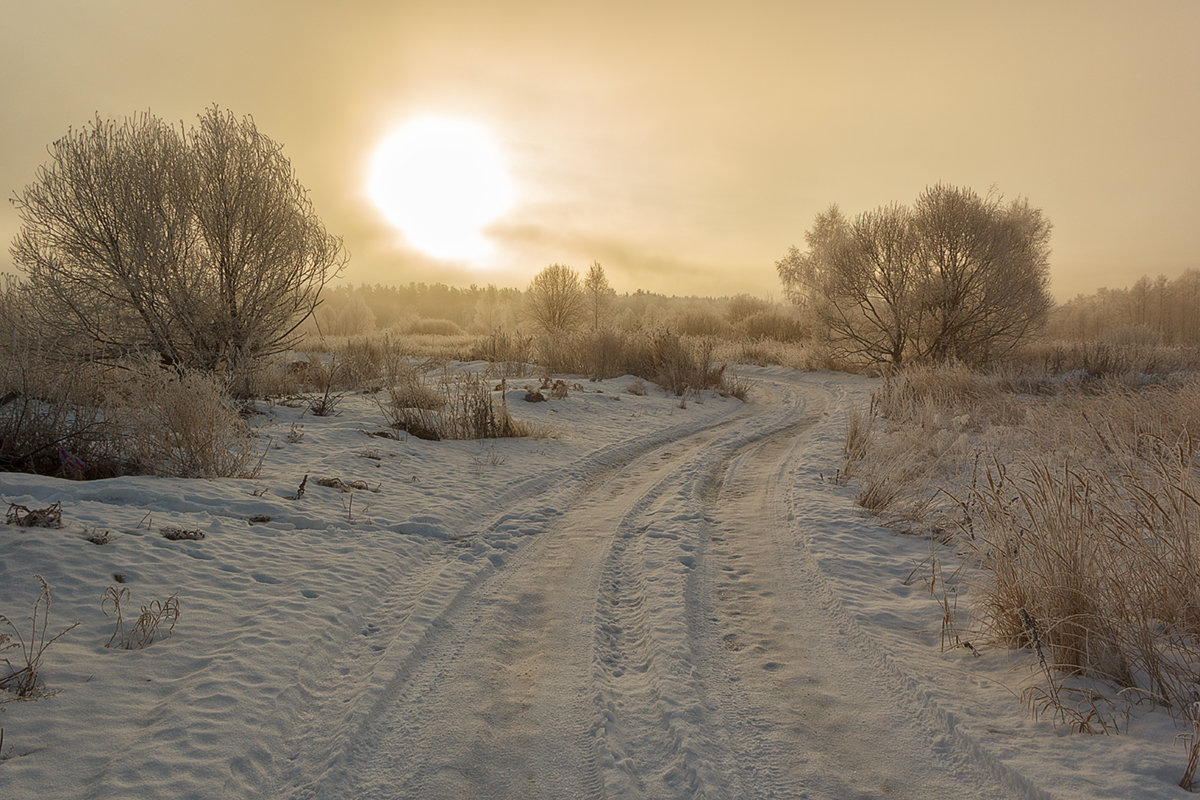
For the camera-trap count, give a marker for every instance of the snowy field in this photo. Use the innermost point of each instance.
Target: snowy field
(652, 601)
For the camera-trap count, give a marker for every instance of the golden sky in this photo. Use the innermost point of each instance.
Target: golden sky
(684, 145)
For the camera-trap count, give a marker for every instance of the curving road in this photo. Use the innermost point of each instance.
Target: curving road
(653, 627)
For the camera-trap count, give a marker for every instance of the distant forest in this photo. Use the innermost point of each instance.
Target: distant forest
(1155, 311)
(420, 308)
(1158, 311)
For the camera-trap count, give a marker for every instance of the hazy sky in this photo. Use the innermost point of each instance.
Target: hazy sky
(683, 145)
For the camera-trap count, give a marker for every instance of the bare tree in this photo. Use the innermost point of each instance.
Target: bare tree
(199, 245)
(105, 235)
(860, 279)
(555, 299)
(987, 272)
(599, 293)
(958, 276)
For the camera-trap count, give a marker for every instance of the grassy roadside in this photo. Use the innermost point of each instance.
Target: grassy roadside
(1074, 499)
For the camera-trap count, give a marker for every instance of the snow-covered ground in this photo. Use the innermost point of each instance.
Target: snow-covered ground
(653, 601)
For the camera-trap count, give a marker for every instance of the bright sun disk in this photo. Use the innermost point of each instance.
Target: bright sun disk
(441, 181)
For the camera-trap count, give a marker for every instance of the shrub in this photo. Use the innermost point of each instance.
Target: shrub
(501, 347)
(679, 366)
(741, 306)
(1102, 359)
(772, 324)
(604, 354)
(467, 411)
(180, 425)
(435, 327)
(50, 419)
(699, 322)
(560, 353)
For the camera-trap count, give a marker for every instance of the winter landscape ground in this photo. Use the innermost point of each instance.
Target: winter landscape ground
(647, 601)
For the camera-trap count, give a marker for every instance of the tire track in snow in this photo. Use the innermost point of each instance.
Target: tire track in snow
(420, 627)
(655, 734)
(816, 708)
(650, 627)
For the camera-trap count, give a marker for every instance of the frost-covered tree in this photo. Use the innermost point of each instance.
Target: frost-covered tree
(198, 244)
(555, 299)
(984, 272)
(599, 293)
(955, 276)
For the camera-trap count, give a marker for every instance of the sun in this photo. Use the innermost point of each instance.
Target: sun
(441, 181)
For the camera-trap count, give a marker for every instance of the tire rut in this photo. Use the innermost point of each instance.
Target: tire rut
(814, 708)
(656, 735)
(425, 627)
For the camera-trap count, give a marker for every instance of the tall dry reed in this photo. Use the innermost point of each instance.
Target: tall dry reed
(1081, 509)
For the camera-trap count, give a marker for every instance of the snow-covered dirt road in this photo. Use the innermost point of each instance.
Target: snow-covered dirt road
(652, 602)
(661, 633)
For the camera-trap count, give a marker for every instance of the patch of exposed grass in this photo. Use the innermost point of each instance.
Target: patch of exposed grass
(467, 410)
(1079, 509)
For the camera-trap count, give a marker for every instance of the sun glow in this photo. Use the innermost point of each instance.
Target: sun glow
(441, 181)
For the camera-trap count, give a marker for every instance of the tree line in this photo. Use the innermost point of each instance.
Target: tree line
(591, 303)
(1157, 311)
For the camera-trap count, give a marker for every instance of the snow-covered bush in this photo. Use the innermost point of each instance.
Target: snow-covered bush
(180, 425)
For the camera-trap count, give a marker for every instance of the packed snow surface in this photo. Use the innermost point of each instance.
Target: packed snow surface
(652, 601)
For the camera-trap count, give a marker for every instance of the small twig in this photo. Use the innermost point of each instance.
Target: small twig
(1188, 781)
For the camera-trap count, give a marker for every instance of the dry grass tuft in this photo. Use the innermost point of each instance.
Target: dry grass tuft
(97, 536)
(735, 385)
(1191, 740)
(344, 486)
(924, 392)
(411, 391)
(175, 534)
(23, 678)
(154, 621)
(25, 517)
(1106, 561)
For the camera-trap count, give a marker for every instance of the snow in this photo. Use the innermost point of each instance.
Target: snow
(649, 601)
